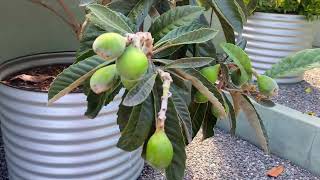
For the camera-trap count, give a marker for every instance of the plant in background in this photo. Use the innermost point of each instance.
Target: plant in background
(161, 53)
(309, 8)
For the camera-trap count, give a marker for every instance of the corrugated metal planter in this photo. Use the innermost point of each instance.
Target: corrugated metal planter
(274, 36)
(58, 142)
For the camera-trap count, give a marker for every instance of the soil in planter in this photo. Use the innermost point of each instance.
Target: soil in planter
(36, 78)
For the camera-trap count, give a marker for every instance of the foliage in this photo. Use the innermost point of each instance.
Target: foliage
(309, 8)
(183, 46)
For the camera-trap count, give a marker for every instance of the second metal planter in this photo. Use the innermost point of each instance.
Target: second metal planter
(58, 142)
(274, 36)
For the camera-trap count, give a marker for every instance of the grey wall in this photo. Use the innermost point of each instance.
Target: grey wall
(26, 28)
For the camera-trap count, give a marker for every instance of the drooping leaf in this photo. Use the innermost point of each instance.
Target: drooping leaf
(296, 63)
(178, 32)
(108, 18)
(141, 91)
(191, 62)
(140, 11)
(167, 52)
(174, 132)
(255, 122)
(180, 16)
(230, 11)
(87, 2)
(251, 6)
(74, 76)
(206, 49)
(124, 113)
(198, 114)
(182, 111)
(139, 124)
(232, 114)
(208, 124)
(197, 36)
(123, 6)
(183, 87)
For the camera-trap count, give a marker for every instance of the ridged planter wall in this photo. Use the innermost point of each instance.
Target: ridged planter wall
(274, 36)
(59, 142)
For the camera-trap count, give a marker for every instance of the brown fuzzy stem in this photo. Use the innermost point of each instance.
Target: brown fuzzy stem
(143, 41)
(166, 94)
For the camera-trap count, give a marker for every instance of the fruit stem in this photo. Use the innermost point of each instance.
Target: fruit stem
(166, 94)
(143, 41)
(255, 73)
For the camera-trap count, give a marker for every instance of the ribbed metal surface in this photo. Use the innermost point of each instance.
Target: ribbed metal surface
(274, 36)
(58, 142)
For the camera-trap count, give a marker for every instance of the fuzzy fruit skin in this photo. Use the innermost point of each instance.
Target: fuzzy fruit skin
(267, 86)
(103, 79)
(211, 73)
(109, 45)
(132, 64)
(159, 150)
(128, 84)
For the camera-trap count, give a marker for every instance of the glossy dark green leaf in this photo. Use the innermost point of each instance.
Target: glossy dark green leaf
(137, 129)
(198, 114)
(124, 113)
(141, 91)
(174, 132)
(208, 124)
(174, 18)
(190, 62)
(232, 115)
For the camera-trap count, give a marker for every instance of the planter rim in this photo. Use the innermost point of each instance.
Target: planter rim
(46, 59)
(293, 16)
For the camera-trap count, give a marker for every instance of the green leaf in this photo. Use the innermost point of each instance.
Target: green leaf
(226, 26)
(140, 11)
(178, 32)
(166, 52)
(255, 121)
(97, 101)
(107, 18)
(208, 124)
(182, 111)
(74, 76)
(174, 132)
(174, 18)
(232, 114)
(241, 59)
(251, 6)
(124, 113)
(296, 63)
(193, 37)
(191, 62)
(137, 129)
(141, 91)
(198, 113)
(230, 11)
(206, 49)
(123, 6)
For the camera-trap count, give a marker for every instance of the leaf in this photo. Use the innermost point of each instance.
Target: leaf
(124, 113)
(206, 49)
(255, 121)
(166, 52)
(173, 129)
(182, 111)
(208, 124)
(73, 76)
(140, 11)
(296, 63)
(236, 97)
(230, 11)
(275, 171)
(191, 62)
(226, 26)
(32, 78)
(123, 6)
(87, 2)
(251, 6)
(97, 101)
(178, 32)
(108, 18)
(137, 129)
(197, 36)
(174, 18)
(141, 91)
(198, 114)
(239, 57)
(233, 115)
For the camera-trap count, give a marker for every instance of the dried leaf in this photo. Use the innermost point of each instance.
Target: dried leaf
(30, 78)
(275, 171)
(311, 113)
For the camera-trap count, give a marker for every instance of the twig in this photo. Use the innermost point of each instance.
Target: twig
(75, 25)
(166, 94)
(205, 91)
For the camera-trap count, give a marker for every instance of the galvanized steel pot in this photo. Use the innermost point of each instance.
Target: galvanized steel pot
(274, 36)
(58, 142)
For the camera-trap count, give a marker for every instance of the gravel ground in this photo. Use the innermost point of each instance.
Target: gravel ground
(296, 97)
(227, 158)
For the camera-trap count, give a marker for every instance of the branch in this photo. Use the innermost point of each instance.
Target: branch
(205, 91)
(166, 94)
